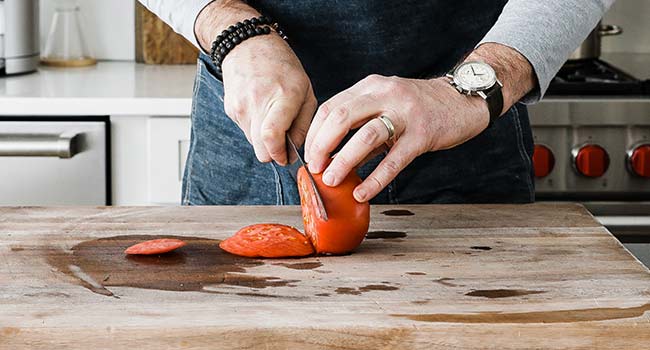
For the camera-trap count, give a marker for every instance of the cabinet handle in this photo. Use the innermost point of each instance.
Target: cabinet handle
(39, 145)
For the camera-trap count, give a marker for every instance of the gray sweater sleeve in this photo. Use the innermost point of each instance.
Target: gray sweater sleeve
(546, 32)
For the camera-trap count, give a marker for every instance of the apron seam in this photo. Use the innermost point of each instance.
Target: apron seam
(188, 183)
(522, 151)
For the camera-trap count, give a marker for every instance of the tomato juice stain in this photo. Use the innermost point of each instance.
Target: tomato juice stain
(201, 263)
(397, 212)
(385, 234)
(502, 293)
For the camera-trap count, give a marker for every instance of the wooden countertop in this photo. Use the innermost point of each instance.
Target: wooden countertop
(447, 276)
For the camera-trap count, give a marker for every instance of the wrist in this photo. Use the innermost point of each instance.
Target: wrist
(512, 69)
(217, 16)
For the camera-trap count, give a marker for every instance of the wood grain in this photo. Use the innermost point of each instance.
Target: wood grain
(157, 43)
(543, 276)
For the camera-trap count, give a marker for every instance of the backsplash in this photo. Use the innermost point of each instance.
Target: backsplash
(110, 27)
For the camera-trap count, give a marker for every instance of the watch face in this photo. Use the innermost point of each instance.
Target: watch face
(474, 76)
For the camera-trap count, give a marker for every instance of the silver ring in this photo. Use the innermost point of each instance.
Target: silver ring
(389, 126)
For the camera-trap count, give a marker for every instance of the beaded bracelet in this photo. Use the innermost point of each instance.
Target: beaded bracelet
(237, 33)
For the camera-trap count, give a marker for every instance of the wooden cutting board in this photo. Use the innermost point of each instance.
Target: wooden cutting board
(157, 43)
(428, 277)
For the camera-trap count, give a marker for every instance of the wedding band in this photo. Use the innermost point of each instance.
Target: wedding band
(389, 126)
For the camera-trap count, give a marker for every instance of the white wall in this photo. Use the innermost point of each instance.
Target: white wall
(634, 17)
(109, 26)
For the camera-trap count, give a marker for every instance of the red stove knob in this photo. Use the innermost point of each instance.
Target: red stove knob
(591, 160)
(639, 160)
(543, 161)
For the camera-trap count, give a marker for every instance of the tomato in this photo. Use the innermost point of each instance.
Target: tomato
(348, 220)
(155, 246)
(268, 241)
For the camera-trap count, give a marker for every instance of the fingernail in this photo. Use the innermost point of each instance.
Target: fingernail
(328, 178)
(312, 168)
(360, 195)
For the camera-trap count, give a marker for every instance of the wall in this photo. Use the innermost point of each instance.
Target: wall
(109, 26)
(634, 17)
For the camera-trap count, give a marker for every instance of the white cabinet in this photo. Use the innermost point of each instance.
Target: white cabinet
(169, 140)
(148, 159)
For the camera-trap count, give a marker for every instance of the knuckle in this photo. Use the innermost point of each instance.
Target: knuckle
(324, 110)
(391, 167)
(268, 135)
(340, 115)
(374, 78)
(369, 135)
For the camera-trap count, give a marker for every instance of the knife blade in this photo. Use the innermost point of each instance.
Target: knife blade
(319, 199)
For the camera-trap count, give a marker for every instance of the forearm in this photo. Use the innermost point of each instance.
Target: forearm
(545, 33)
(217, 16)
(512, 69)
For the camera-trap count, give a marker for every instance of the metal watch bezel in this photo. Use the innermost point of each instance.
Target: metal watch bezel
(463, 87)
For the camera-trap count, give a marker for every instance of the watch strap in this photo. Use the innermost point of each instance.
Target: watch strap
(494, 100)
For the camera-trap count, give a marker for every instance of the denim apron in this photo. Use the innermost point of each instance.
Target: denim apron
(339, 43)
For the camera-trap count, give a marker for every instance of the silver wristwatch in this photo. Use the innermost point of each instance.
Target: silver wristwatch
(476, 78)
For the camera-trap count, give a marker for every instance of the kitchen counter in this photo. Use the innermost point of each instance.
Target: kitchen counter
(109, 88)
(128, 88)
(428, 277)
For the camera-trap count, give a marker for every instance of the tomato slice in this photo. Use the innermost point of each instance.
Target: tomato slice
(348, 220)
(155, 246)
(268, 241)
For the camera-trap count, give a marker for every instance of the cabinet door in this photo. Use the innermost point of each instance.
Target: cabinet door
(169, 140)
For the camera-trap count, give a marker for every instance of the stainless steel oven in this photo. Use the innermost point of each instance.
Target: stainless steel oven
(597, 151)
(54, 161)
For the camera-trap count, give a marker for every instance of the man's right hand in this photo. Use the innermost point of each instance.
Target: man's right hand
(267, 92)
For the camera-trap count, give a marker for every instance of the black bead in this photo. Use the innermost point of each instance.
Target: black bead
(267, 30)
(255, 21)
(243, 36)
(239, 24)
(223, 51)
(236, 40)
(224, 33)
(266, 19)
(247, 22)
(250, 32)
(259, 31)
(229, 45)
(219, 38)
(231, 29)
(218, 57)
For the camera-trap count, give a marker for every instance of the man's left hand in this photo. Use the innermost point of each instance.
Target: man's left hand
(428, 115)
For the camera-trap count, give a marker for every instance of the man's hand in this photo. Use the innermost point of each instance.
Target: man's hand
(267, 92)
(428, 115)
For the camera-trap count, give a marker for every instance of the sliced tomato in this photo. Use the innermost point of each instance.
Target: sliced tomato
(155, 246)
(348, 220)
(268, 241)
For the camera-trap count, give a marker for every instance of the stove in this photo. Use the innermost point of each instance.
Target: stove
(596, 78)
(592, 145)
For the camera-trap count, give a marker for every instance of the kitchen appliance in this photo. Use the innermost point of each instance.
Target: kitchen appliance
(66, 45)
(596, 149)
(590, 48)
(19, 31)
(54, 161)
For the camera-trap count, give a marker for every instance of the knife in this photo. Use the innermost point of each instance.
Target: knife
(319, 200)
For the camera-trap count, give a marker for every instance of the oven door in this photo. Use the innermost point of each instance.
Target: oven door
(629, 222)
(54, 162)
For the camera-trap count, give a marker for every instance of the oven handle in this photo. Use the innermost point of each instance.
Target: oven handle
(64, 145)
(636, 225)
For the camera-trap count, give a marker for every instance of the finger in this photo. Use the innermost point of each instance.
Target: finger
(326, 108)
(275, 125)
(343, 119)
(397, 159)
(299, 127)
(367, 139)
(258, 145)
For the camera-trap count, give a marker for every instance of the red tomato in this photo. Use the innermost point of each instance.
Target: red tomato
(268, 241)
(155, 246)
(348, 219)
